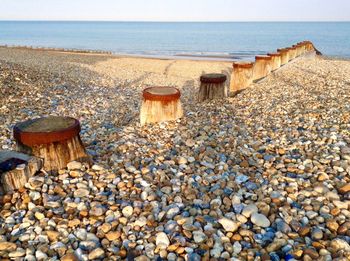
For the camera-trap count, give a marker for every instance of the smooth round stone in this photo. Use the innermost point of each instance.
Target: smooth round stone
(96, 254)
(228, 224)
(260, 220)
(81, 193)
(340, 244)
(73, 165)
(128, 211)
(249, 210)
(172, 212)
(171, 257)
(162, 240)
(199, 236)
(317, 234)
(40, 256)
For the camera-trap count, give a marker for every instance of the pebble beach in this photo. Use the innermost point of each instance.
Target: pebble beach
(264, 175)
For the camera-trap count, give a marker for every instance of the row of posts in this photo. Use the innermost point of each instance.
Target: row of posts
(162, 104)
(245, 73)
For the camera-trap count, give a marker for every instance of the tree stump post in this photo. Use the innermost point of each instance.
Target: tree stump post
(290, 54)
(298, 50)
(160, 104)
(302, 48)
(294, 52)
(15, 169)
(54, 139)
(212, 87)
(284, 56)
(275, 61)
(242, 77)
(262, 67)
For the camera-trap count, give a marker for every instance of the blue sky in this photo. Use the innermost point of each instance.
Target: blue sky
(176, 10)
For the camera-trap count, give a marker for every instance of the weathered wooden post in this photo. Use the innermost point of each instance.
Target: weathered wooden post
(292, 53)
(15, 169)
(160, 104)
(301, 49)
(54, 139)
(242, 77)
(305, 47)
(212, 87)
(284, 55)
(262, 67)
(297, 50)
(275, 61)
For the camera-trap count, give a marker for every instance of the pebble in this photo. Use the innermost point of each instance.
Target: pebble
(260, 220)
(40, 256)
(96, 254)
(199, 236)
(340, 244)
(81, 193)
(127, 211)
(162, 240)
(317, 234)
(229, 225)
(73, 165)
(7, 246)
(249, 210)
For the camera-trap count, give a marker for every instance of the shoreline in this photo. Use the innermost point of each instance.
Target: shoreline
(194, 56)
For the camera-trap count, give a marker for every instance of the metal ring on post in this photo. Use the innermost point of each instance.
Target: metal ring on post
(213, 78)
(37, 131)
(243, 65)
(159, 93)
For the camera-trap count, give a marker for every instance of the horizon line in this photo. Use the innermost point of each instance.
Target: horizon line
(178, 21)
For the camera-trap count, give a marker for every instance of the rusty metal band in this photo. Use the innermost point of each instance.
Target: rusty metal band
(161, 97)
(274, 54)
(38, 138)
(243, 65)
(263, 57)
(210, 78)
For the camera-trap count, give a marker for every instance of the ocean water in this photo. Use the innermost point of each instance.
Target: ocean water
(229, 40)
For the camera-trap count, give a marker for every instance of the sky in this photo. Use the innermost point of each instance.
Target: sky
(176, 10)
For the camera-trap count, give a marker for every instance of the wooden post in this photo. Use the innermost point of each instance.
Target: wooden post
(242, 77)
(212, 87)
(262, 67)
(54, 139)
(15, 169)
(296, 48)
(302, 48)
(292, 53)
(275, 61)
(160, 104)
(284, 56)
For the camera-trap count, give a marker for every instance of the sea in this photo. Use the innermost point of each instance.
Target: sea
(198, 40)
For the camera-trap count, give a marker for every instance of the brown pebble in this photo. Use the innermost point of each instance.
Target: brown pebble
(304, 231)
(69, 257)
(332, 225)
(311, 252)
(122, 253)
(335, 211)
(298, 253)
(344, 228)
(344, 189)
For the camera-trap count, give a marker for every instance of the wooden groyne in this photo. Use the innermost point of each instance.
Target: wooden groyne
(264, 66)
